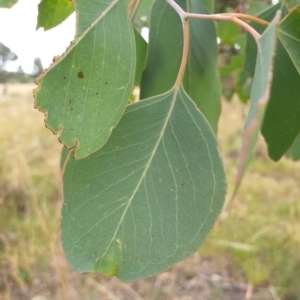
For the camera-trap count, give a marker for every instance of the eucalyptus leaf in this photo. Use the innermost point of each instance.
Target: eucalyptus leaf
(251, 47)
(84, 93)
(294, 152)
(7, 3)
(260, 94)
(53, 12)
(289, 35)
(256, 7)
(149, 197)
(281, 123)
(144, 8)
(292, 3)
(164, 50)
(209, 5)
(201, 80)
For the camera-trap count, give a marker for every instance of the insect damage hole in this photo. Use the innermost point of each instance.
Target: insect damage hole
(80, 74)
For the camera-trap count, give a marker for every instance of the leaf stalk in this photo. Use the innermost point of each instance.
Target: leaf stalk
(248, 18)
(219, 17)
(185, 53)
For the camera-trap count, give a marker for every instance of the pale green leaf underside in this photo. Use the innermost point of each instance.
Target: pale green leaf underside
(260, 94)
(144, 8)
(294, 151)
(209, 5)
(52, 12)
(164, 50)
(201, 80)
(7, 3)
(85, 92)
(289, 35)
(149, 197)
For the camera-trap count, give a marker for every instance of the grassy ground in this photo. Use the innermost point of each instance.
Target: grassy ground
(256, 242)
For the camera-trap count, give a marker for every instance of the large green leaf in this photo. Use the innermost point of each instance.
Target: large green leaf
(281, 122)
(7, 3)
(289, 34)
(260, 94)
(149, 197)
(282, 119)
(209, 5)
(52, 12)
(201, 80)
(251, 47)
(164, 50)
(85, 92)
(164, 56)
(144, 8)
(294, 151)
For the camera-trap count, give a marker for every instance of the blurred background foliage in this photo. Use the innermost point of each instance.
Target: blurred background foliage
(253, 251)
(7, 76)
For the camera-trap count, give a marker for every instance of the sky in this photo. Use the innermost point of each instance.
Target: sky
(18, 32)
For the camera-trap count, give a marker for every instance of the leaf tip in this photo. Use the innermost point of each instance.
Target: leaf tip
(106, 265)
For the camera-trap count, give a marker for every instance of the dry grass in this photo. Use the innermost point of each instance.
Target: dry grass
(255, 243)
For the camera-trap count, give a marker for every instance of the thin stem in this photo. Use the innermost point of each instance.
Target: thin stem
(135, 9)
(248, 17)
(217, 17)
(230, 18)
(185, 52)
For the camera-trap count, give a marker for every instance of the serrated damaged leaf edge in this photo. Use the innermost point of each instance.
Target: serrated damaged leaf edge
(56, 60)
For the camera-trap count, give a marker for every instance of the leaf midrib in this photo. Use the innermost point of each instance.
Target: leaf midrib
(175, 90)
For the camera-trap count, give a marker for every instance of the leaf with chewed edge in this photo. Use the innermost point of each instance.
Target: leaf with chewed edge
(260, 94)
(53, 12)
(85, 92)
(149, 197)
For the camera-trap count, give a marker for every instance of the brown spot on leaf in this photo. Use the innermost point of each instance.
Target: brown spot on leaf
(80, 74)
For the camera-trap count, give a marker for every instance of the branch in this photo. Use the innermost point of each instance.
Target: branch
(248, 17)
(217, 17)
